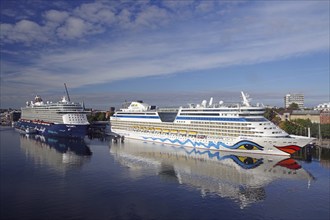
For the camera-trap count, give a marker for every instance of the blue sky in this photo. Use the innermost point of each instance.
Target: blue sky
(166, 53)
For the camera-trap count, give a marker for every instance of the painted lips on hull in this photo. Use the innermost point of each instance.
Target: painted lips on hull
(290, 149)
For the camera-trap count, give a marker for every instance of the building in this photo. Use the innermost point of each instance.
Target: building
(9, 116)
(323, 107)
(294, 98)
(325, 117)
(15, 116)
(312, 115)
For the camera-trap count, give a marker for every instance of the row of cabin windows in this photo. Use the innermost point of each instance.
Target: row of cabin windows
(210, 134)
(200, 129)
(183, 126)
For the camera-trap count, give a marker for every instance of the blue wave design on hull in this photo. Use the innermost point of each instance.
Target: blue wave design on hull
(244, 162)
(219, 144)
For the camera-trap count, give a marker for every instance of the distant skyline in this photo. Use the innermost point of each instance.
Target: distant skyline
(167, 53)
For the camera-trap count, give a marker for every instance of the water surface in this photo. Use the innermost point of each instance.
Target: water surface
(51, 178)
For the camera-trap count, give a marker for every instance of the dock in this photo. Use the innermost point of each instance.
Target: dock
(99, 127)
(324, 143)
(116, 137)
(103, 128)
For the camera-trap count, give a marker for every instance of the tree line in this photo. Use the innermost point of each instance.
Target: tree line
(298, 126)
(98, 116)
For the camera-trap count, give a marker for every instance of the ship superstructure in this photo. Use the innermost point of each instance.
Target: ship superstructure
(233, 127)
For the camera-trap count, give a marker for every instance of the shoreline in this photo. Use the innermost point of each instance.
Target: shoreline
(324, 143)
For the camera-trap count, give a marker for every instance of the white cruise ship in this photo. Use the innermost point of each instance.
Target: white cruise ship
(237, 127)
(63, 118)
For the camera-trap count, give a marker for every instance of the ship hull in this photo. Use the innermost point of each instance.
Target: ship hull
(270, 146)
(59, 130)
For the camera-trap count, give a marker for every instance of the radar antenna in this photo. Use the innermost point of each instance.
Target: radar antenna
(67, 93)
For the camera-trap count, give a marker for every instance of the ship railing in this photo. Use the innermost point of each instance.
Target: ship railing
(168, 109)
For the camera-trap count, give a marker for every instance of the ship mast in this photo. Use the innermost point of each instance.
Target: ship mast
(67, 93)
(246, 100)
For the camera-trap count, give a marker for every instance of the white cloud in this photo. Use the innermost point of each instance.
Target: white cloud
(242, 35)
(56, 16)
(205, 6)
(117, 61)
(152, 16)
(23, 31)
(84, 20)
(178, 5)
(124, 18)
(96, 13)
(74, 28)
(8, 12)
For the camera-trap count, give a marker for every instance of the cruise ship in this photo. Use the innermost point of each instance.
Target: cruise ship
(63, 118)
(239, 127)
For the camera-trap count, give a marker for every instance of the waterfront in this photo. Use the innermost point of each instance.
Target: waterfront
(97, 179)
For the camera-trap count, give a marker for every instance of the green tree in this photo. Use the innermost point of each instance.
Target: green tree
(293, 106)
(100, 116)
(269, 114)
(276, 120)
(325, 131)
(300, 127)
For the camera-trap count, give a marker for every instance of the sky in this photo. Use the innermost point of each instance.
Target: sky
(167, 53)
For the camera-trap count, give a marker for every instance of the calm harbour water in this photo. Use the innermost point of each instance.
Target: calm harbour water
(51, 178)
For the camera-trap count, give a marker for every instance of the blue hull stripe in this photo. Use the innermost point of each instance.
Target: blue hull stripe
(221, 119)
(135, 116)
(211, 119)
(217, 145)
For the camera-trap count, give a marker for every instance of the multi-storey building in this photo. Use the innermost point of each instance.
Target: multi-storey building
(294, 98)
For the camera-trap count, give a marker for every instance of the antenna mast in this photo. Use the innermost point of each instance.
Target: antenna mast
(67, 93)
(245, 99)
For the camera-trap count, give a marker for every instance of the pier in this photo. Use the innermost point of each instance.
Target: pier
(117, 137)
(99, 127)
(102, 128)
(324, 143)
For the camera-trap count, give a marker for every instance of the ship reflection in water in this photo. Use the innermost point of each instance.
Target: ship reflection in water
(241, 177)
(58, 153)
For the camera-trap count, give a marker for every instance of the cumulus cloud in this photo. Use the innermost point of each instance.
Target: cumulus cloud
(152, 17)
(74, 28)
(84, 20)
(23, 31)
(183, 42)
(96, 13)
(56, 16)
